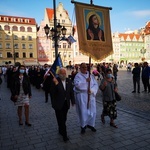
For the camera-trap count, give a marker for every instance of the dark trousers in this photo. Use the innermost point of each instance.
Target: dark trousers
(146, 84)
(136, 81)
(61, 116)
(46, 95)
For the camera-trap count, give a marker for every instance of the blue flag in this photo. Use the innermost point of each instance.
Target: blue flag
(71, 39)
(56, 65)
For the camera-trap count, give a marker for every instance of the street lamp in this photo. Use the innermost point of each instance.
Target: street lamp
(56, 31)
(143, 51)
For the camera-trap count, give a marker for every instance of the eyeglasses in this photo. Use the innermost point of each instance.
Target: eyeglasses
(84, 67)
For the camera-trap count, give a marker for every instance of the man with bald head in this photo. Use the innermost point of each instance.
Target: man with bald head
(62, 96)
(85, 89)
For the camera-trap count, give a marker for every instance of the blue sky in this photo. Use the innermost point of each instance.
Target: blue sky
(125, 14)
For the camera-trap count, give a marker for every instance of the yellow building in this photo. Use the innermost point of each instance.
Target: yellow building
(18, 37)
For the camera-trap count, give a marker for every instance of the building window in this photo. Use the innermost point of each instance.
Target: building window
(64, 45)
(26, 20)
(30, 46)
(7, 45)
(0, 45)
(23, 46)
(24, 55)
(63, 21)
(16, 46)
(22, 29)
(5, 18)
(29, 29)
(15, 37)
(69, 54)
(59, 46)
(9, 55)
(0, 36)
(7, 37)
(31, 55)
(23, 37)
(30, 38)
(69, 46)
(17, 55)
(0, 27)
(1, 55)
(15, 28)
(6, 27)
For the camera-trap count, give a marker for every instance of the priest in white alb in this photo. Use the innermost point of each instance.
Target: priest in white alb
(85, 89)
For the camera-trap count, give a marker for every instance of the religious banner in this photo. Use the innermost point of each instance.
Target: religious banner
(94, 31)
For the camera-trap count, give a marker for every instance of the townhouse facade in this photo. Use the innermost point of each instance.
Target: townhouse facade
(147, 41)
(64, 48)
(130, 47)
(18, 40)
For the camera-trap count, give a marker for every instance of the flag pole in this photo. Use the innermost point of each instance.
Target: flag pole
(91, 2)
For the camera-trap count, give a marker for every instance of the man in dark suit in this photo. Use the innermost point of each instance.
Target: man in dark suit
(62, 95)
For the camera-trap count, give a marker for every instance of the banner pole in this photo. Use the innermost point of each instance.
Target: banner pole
(91, 2)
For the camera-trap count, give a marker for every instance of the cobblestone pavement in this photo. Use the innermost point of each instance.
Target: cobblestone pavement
(133, 122)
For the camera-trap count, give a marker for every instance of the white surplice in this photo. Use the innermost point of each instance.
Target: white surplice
(86, 116)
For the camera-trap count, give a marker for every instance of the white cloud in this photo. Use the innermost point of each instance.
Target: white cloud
(141, 13)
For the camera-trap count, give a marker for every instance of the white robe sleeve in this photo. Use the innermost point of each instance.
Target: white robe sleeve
(93, 85)
(80, 83)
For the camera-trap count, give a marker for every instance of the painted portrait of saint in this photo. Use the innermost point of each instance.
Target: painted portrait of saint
(94, 26)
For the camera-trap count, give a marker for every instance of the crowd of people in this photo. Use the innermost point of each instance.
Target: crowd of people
(79, 89)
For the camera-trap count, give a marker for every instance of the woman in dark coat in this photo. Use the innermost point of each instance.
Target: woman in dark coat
(21, 90)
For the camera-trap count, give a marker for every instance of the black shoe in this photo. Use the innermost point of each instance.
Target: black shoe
(20, 123)
(138, 91)
(65, 138)
(82, 130)
(133, 91)
(28, 124)
(92, 128)
(113, 125)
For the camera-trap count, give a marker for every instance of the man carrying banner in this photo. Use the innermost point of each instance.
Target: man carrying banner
(85, 95)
